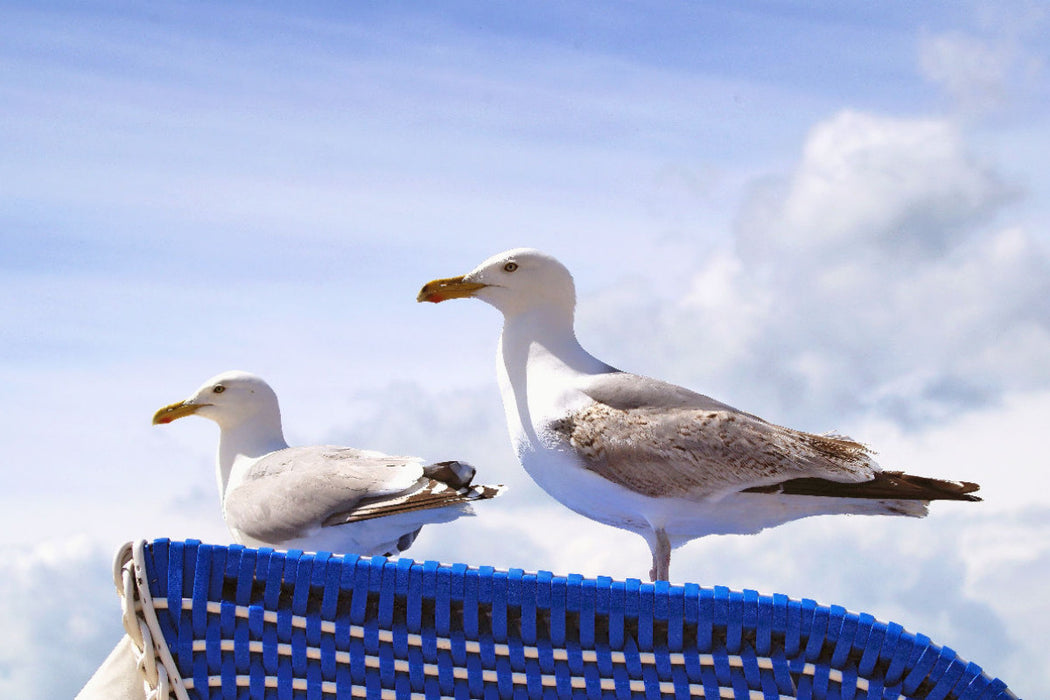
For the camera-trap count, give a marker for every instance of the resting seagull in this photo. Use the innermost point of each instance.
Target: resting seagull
(319, 498)
(651, 457)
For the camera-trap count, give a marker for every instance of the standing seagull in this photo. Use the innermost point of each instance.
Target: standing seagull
(319, 498)
(651, 457)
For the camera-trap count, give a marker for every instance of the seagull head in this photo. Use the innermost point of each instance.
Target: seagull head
(229, 399)
(514, 281)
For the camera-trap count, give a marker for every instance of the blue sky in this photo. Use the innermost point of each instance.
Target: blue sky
(834, 215)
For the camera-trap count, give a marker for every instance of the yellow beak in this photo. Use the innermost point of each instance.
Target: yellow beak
(449, 288)
(174, 411)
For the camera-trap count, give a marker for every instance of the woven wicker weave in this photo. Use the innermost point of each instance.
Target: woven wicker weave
(255, 623)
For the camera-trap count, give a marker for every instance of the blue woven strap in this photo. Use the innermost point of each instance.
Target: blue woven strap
(245, 623)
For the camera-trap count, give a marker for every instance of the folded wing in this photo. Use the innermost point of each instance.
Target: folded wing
(665, 441)
(293, 492)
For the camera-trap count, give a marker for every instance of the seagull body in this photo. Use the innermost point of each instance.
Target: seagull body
(650, 457)
(317, 498)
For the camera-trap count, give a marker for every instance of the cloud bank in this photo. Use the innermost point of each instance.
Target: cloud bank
(882, 274)
(57, 627)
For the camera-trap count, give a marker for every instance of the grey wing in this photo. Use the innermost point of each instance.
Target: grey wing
(625, 391)
(661, 440)
(290, 493)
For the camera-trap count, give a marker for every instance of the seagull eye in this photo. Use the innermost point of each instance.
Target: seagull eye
(219, 388)
(510, 267)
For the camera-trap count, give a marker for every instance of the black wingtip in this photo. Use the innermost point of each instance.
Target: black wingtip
(454, 473)
(941, 489)
(885, 485)
(966, 489)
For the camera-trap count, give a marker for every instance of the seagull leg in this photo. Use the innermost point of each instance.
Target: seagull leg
(661, 548)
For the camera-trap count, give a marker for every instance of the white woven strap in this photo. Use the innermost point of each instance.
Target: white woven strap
(160, 676)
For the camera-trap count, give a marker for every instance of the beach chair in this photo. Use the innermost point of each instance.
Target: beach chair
(210, 621)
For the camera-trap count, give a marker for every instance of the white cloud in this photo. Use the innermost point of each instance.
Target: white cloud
(875, 276)
(60, 615)
(970, 70)
(986, 73)
(869, 184)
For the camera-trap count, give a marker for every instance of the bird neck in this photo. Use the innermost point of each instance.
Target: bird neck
(545, 336)
(247, 440)
(539, 357)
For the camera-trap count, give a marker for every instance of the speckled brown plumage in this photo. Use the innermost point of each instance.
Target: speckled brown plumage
(663, 440)
(694, 453)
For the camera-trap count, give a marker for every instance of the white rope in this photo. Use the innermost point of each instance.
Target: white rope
(160, 677)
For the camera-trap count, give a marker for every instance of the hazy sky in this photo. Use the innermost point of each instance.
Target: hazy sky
(834, 215)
